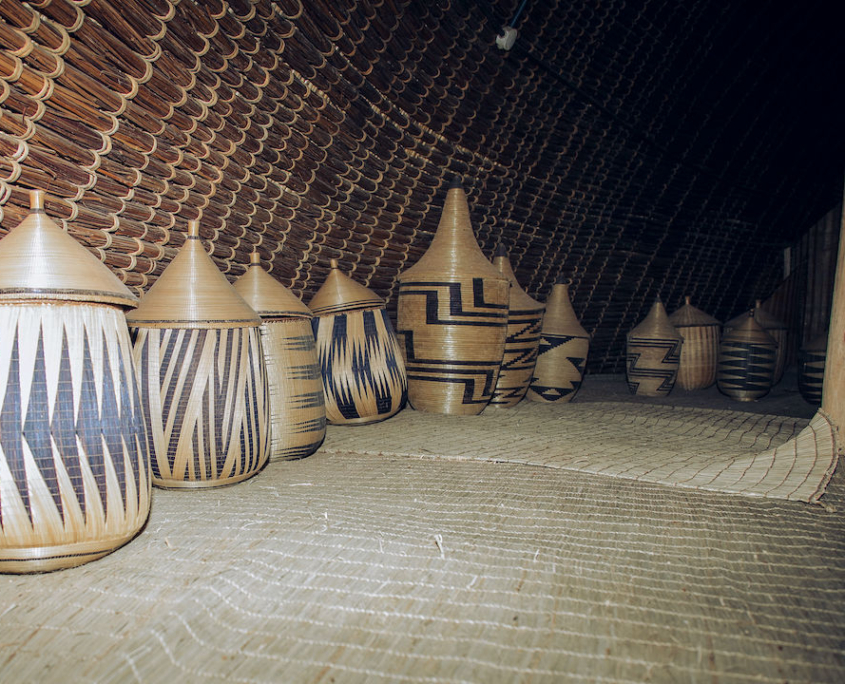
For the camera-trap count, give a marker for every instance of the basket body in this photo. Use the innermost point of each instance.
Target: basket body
(653, 355)
(811, 362)
(699, 357)
(74, 451)
(297, 406)
(562, 353)
(204, 395)
(453, 339)
(364, 379)
(747, 357)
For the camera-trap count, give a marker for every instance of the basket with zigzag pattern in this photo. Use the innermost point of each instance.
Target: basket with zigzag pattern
(202, 373)
(74, 451)
(363, 372)
(654, 353)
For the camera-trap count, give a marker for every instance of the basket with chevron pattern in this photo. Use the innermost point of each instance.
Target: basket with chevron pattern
(202, 373)
(364, 379)
(654, 351)
(74, 452)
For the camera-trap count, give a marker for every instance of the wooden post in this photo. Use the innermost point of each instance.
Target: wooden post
(833, 392)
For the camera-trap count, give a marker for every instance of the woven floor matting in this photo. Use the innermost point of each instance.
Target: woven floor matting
(359, 568)
(716, 450)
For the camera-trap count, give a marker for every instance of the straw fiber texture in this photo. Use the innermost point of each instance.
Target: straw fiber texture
(360, 568)
(724, 451)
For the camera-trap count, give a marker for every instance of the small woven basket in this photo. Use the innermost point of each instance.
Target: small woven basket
(525, 318)
(776, 329)
(562, 353)
(700, 352)
(747, 356)
(452, 317)
(654, 354)
(364, 379)
(297, 407)
(74, 451)
(203, 378)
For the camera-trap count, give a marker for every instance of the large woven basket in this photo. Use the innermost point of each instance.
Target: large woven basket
(364, 378)
(525, 318)
(203, 378)
(563, 349)
(654, 350)
(700, 352)
(776, 329)
(811, 362)
(452, 318)
(74, 452)
(297, 407)
(747, 356)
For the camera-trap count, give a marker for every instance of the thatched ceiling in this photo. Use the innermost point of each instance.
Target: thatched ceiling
(641, 149)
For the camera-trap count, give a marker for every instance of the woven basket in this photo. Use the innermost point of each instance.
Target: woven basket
(364, 379)
(811, 362)
(654, 349)
(563, 349)
(74, 452)
(203, 378)
(747, 356)
(297, 407)
(776, 328)
(452, 318)
(525, 318)
(700, 352)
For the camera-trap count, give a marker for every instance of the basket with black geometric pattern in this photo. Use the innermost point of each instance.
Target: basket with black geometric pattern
(654, 353)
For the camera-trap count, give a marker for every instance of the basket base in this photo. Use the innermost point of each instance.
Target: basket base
(162, 483)
(59, 557)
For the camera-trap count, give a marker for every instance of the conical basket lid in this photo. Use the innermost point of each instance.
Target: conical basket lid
(559, 313)
(266, 295)
(38, 260)
(656, 325)
(454, 250)
(340, 293)
(193, 293)
(763, 318)
(748, 330)
(519, 300)
(690, 317)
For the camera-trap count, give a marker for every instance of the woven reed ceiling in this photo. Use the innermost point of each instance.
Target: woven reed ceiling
(641, 149)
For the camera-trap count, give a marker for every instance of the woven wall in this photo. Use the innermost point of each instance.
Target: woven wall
(641, 149)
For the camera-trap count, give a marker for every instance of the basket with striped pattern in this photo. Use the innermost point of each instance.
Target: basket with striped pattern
(202, 375)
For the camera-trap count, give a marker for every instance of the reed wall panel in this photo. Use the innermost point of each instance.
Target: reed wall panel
(605, 148)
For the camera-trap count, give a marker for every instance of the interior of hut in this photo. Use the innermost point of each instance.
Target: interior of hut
(448, 341)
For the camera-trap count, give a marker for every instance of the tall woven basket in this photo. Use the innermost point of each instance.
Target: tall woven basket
(776, 329)
(364, 378)
(297, 407)
(811, 362)
(654, 354)
(525, 318)
(747, 356)
(74, 452)
(452, 318)
(203, 378)
(700, 352)
(563, 349)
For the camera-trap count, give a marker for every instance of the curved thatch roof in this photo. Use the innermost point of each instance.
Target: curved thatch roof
(640, 149)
